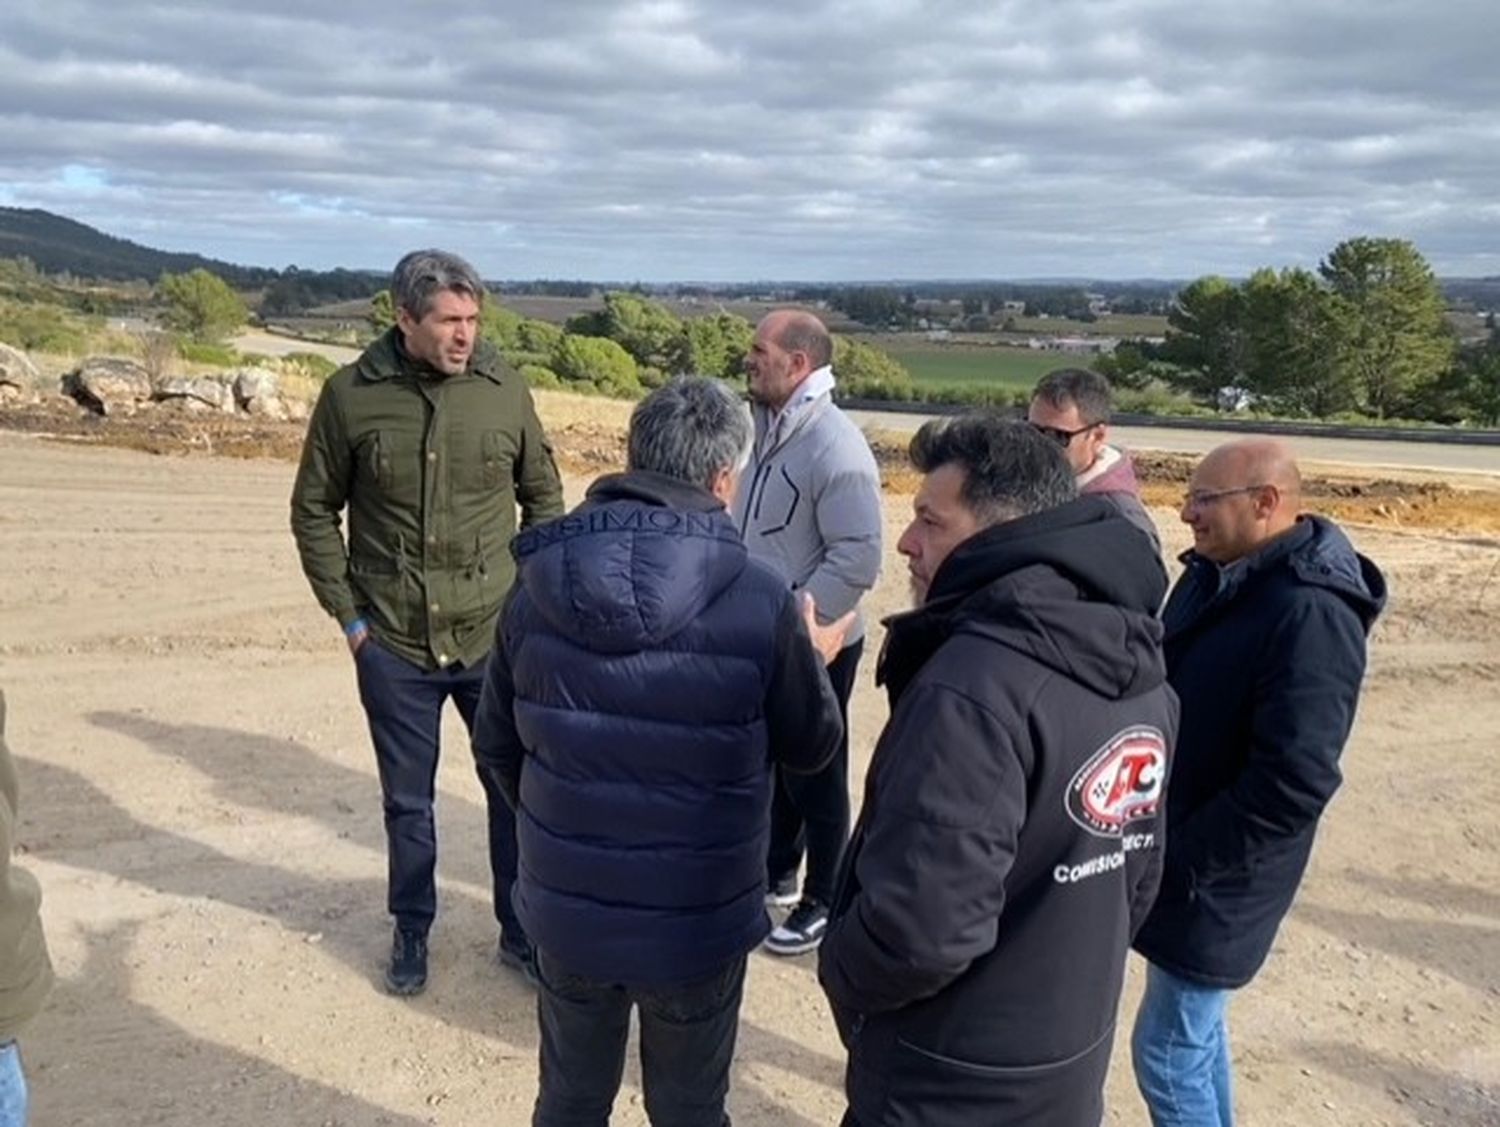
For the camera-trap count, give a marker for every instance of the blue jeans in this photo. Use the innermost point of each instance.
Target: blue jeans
(404, 705)
(1180, 1048)
(12, 1087)
(687, 1044)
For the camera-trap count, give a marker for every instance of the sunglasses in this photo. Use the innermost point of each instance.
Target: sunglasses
(1058, 435)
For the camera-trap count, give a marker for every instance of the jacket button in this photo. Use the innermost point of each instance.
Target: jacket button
(444, 659)
(433, 607)
(432, 455)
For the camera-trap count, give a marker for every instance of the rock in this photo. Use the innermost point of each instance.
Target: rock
(109, 385)
(267, 407)
(210, 390)
(251, 384)
(17, 370)
(297, 410)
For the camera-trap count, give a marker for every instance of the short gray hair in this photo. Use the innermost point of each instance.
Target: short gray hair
(691, 428)
(422, 274)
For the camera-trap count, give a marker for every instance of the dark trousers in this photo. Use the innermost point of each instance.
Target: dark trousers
(812, 811)
(687, 1045)
(404, 705)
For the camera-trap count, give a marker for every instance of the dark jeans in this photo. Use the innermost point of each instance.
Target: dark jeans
(404, 705)
(687, 1044)
(812, 811)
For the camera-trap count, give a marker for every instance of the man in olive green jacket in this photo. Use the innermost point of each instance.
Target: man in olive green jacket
(25, 970)
(430, 441)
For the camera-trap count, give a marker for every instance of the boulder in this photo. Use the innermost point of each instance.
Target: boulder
(297, 410)
(209, 390)
(108, 384)
(17, 370)
(267, 407)
(251, 384)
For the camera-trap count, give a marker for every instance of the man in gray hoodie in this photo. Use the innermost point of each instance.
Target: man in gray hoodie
(808, 505)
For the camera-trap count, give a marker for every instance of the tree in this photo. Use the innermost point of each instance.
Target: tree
(1388, 319)
(596, 361)
(717, 344)
(382, 313)
(865, 371)
(1291, 361)
(1205, 337)
(201, 305)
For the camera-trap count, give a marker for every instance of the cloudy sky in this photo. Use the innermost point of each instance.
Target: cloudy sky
(733, 140)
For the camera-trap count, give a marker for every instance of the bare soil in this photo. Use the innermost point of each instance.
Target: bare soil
(200, 803)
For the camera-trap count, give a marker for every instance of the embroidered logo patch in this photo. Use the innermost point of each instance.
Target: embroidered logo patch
(1120, 783)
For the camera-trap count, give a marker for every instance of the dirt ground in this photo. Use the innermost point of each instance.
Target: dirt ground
(200, 804)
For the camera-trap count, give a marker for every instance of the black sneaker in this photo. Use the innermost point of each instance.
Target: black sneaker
(783, 892)
(407, 973)
(801, 932)
(519, 957)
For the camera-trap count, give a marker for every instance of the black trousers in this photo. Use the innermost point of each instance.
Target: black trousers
(404, 705)
(687, 1045)
(811, 812)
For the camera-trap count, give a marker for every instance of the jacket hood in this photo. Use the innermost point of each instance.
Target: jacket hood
(1316, 551)
(630, 567)
(1113, 473)
(386, 357)
(1075, 588)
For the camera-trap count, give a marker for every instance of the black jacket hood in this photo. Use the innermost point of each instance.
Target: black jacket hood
(1074, 588)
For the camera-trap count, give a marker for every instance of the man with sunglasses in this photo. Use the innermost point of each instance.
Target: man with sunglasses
(1071, 406)
(1265, 645)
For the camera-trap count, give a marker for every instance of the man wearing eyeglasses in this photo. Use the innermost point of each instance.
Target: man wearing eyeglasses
(1071, 406)
(1265, 646)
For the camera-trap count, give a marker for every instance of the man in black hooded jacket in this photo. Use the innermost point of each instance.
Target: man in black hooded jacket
(1010, 839)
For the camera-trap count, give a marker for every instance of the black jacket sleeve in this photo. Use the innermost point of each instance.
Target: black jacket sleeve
(1302, 712)
(803, 720)
(943, 812)
(497, 746)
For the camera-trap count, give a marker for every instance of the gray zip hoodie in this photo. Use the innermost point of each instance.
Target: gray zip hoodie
(808, 503)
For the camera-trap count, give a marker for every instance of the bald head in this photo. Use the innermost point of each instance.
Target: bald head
(789, 345)
(797, 330)
(1242, 495)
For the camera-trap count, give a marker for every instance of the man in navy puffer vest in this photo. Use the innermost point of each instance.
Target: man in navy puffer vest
(645, 674)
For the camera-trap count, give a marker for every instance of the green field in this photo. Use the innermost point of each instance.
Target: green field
(936, 362)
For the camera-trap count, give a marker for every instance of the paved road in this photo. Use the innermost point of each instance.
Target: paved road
(1437, 458)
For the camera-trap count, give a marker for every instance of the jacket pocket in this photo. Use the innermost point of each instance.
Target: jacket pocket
(496, 456)
(380, 586)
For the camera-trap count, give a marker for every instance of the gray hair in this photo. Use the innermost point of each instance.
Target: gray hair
(691, 428)
(422, 274)
(1009, 469)
(1089, 391)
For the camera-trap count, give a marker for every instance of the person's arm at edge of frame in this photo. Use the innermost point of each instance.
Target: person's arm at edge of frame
(803, 723)
(318, 498)
(952, 801)
(538, 484)
(849, 520)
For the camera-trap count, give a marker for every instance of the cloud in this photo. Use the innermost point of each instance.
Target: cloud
(717, 140)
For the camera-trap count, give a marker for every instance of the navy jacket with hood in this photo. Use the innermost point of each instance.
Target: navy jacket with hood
(646, 671)
(1267, 655)
(1009, 843)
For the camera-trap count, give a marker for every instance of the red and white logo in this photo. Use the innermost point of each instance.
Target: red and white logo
(1121, 782)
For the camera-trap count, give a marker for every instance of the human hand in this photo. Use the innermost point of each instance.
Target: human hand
(827, 640)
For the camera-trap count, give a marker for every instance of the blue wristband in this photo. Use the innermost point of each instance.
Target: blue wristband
(355, 627)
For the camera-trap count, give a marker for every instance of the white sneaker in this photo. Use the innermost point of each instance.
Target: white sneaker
(801, 932)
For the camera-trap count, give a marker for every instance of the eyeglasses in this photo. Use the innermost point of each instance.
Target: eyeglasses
(1197, 498)
(1058, 435)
